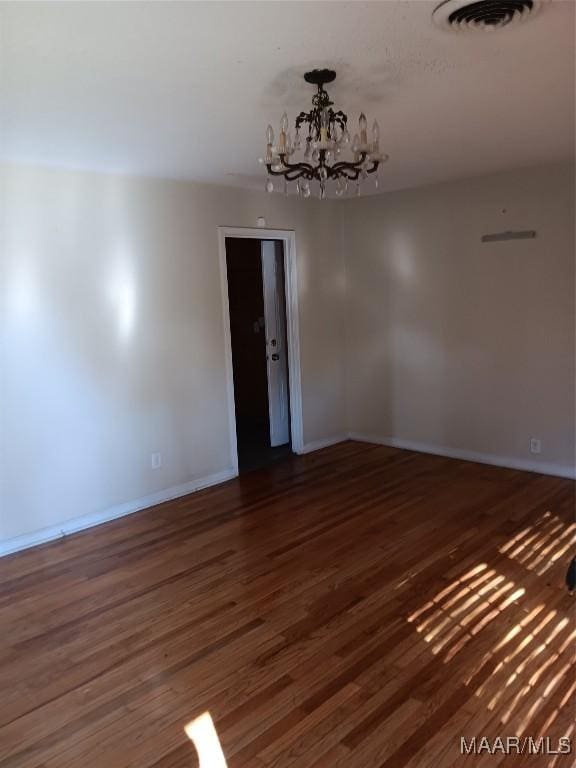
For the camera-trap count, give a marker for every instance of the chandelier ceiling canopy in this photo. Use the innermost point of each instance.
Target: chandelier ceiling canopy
(322, 135)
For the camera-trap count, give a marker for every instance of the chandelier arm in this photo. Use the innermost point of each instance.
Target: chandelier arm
(350, 172)
(375, 164)
(296, 166)
(293, 171)
(343, 164)
(334, 170)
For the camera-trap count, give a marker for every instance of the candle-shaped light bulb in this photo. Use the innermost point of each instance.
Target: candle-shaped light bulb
(269, 135)
(283, 129)
(363, 123)
(356, 147)
(375, 148)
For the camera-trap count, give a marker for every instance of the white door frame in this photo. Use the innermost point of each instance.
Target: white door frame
(288, 239)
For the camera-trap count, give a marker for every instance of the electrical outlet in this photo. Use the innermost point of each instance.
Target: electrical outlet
(156, 460)
(535, 445)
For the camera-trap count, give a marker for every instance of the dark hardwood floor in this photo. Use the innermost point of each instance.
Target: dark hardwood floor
(357, 607)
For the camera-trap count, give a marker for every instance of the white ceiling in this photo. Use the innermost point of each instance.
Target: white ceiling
(186, 89)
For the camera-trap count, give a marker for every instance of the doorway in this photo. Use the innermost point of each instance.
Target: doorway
(256, 288)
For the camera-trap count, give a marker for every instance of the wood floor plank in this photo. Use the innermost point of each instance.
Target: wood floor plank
(361, 606)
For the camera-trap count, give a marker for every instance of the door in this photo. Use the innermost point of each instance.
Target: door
(275, 327)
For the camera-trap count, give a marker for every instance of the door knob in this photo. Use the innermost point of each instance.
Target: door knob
(275, 357)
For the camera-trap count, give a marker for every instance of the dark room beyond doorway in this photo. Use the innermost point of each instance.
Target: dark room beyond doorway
(256, 295)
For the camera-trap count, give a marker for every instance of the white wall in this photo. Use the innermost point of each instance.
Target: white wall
(112, 336)
(113, 344)
(457, 345)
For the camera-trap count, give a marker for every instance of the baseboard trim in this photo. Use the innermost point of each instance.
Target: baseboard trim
(316, 445)
(544, 468)
(45, 535)
(78, 524)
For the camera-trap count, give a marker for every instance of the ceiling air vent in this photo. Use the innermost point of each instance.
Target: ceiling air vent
(483, 15)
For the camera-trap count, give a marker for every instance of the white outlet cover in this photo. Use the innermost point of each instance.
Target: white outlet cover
(535, 445)
(156, 460)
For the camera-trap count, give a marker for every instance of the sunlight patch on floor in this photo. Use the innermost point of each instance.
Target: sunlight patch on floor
(464, 608)
(202, 733)
(524, 678)
(539, 546)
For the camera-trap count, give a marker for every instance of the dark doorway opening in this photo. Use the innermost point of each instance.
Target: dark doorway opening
(256, 296)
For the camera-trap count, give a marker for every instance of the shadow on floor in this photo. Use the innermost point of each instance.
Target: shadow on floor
(255, 451)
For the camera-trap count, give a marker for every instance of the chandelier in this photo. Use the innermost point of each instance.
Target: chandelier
(322, 134)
